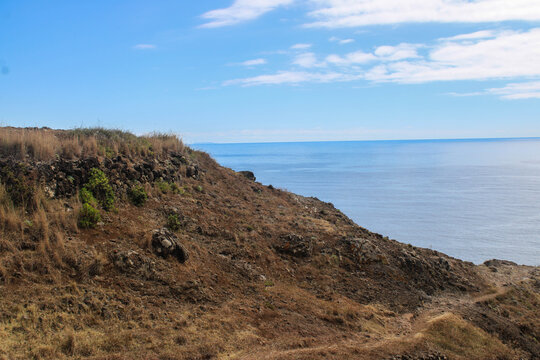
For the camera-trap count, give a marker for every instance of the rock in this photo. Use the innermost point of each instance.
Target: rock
(295, 245)
(192, 171)
(248, 175)
(497, 263)
(165, 243)
(126, 261)
(362, 251)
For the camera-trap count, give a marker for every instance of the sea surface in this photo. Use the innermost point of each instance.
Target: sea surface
(471, 199)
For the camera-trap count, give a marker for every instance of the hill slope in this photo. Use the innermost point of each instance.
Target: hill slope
(120, 247)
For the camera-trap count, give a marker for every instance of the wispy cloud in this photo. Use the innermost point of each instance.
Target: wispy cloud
(301, 46)
(508, 54)
(144, 47)
(291, 78)
(254, 62)
(341, 41)
(307, 60)
(523, 90)
(485, 55)
(355, 13)
(240, 11)
(353, 58)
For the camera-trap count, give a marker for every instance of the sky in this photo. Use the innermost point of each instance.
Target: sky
(274, 70)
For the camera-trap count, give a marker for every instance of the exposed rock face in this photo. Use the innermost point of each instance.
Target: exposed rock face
(362, 251)
(248, 175)
(192, 171)
(63, 178)
(165, 243)
(497, 263)
(295, 245)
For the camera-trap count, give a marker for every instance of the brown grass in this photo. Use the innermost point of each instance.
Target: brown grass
(47, 144)
(454, 335)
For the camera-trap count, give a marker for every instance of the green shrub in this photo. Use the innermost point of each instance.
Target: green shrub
(137, 195)
(98, 185)
(87, 198)
(199, 188)
(177, 189)
(163, 186)
(88, 216)
(173, 222)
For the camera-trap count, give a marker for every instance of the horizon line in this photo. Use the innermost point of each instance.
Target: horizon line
(376, 140)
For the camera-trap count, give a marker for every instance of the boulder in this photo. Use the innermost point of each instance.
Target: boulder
(294, 245)
(498, 263)
(192, 171)
(248, 175)
(165, 243)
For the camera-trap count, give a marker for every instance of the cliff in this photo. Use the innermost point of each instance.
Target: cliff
(115, 246)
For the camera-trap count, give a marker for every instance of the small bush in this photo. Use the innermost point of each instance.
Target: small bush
(173, 222)
(137, 195)
(199, 188)
(177, 189)
(87, 198)
(88, 216)
(163, 186)
(20, 189)
(99, 186)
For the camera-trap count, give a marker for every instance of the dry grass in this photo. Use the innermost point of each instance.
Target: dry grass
(454, 335)
(33, 243)
(47, 144)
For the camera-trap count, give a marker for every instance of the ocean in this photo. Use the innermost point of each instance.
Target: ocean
(473, 199)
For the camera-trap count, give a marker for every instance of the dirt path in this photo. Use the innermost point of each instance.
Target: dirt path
(408, 326)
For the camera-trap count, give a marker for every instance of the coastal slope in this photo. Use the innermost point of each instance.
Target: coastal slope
(115, 246)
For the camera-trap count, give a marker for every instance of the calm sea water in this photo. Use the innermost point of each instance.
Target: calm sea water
(471, 199)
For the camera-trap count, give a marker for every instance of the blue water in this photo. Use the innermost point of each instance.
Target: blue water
(471, 199)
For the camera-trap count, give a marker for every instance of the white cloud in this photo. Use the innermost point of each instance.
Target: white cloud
(301, 46)
(357, 57)
(291, 78)
(341, 41)
(307, 60)
(144, 47)
(506, 55)
(472, 36)
(524, 90)
(354, 13)
(240, 11)
(254, 62)
(486, 55)
(399, 52)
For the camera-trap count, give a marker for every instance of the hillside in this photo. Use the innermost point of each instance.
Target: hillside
(115, 246)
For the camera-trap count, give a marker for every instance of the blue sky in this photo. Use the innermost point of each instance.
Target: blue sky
(274, 70)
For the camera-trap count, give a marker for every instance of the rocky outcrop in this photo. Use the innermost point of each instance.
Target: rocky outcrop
(248, 175)
(64, 178)
(165, 243)
(294, 245)
(362, 251)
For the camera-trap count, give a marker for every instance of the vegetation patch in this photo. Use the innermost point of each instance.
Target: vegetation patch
(48, 144)
(173, 222)
(137, 195)
(163, 186)
(88, 216)
(98, 185)
(451, 333)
